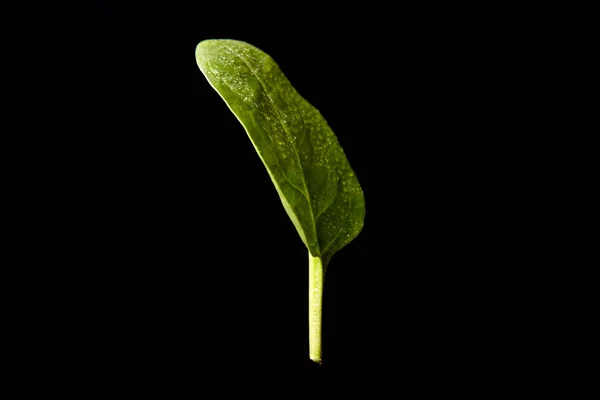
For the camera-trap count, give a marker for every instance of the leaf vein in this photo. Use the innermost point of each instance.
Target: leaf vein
(341, 229)
(306, 193)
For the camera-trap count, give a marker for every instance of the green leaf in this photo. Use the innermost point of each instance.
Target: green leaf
(314, 180)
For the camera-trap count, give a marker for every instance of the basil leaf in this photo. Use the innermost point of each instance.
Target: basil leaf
(314, 180)
(307, 165)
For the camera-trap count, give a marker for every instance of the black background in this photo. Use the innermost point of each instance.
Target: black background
(201, 273)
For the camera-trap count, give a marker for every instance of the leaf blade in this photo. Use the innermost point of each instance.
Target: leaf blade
(302, 155)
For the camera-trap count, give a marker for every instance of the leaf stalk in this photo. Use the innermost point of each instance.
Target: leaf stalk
(315, 306)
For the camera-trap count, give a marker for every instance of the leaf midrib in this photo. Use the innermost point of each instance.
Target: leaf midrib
(305, 193)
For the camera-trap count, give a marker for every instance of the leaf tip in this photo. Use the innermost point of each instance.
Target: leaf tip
(201, 49)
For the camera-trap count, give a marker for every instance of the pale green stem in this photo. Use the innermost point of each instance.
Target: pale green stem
(315, 306)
